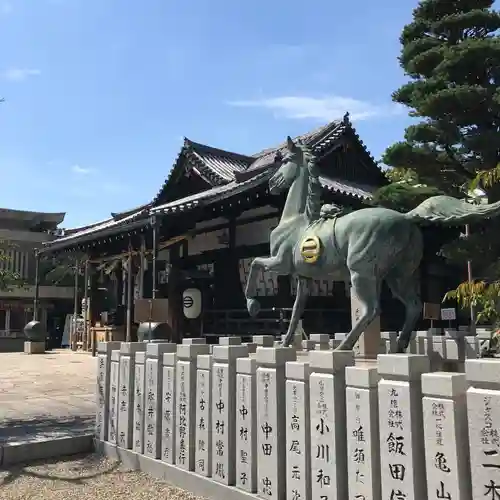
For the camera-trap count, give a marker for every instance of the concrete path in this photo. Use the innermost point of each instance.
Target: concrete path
(46, 395)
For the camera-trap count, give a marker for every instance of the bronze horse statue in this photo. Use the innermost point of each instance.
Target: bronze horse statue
(366, 246)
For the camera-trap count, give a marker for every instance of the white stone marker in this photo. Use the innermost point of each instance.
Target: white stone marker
(483, 405)
(126, 393)
(185, 401)
(363, 444)
(271, 420)
(114, 383)
(224, 410)
(328, 423)
(103, 384)
(298, 432)
(139, 402)
(446, 436)
(203, 455)
(153, 396)
(402, 451)
(168, 409)
(246, 429)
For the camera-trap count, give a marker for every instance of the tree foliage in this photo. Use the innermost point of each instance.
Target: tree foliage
(9, 279)
(451, 54)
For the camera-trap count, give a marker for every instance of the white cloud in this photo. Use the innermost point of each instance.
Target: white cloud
(323, 109)
(77, 169)
(20, 74)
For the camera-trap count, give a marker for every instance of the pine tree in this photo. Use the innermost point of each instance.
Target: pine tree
(451, 53)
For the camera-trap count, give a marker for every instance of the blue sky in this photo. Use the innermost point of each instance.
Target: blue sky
(99, 93)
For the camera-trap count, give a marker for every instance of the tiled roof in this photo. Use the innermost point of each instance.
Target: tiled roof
(347, 187)
(217, 193)
(109, 225)
(216, 166)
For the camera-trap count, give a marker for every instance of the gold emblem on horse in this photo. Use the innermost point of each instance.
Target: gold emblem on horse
(310, 249)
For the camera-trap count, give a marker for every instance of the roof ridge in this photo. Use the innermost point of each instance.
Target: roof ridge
(211, 149)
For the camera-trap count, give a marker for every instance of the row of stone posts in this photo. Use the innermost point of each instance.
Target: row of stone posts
(287, 424)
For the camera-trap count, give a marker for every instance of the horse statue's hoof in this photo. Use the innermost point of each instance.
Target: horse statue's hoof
(253, 306)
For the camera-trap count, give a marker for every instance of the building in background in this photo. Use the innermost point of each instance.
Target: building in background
(21, 232)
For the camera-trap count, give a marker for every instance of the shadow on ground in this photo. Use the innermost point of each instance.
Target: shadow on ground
(45, 426)
(71, 474)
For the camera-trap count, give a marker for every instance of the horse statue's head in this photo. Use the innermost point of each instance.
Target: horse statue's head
(293, 163)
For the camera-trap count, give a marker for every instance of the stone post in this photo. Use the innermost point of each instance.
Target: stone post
(203, 453)
(368, 345)
(263, 340)
(185, 413)
(321, 341)
(298, 431)
(126, 395)
(296, 341)
(271, 420)
(153, 396)
(328, 423)
(246, 430)
(139, 402)
(446, 436)
(402, 454)
(114, 383)
(224, 408)
(483, 407)
(168, 414)
(363, 444)
(104, 350)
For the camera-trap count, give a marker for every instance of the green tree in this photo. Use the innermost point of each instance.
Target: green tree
(451, 53)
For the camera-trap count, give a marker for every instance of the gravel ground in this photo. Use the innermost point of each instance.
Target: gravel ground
(83, 477)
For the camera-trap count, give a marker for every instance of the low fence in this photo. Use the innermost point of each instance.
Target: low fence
(284, 423)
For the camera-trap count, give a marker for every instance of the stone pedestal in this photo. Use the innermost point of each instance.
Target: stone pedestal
(185, 411)
(114, 382)
(368, 345)
(139, 402)
(203, 453)
(246, 425)
(153, 396)
(168, 409)
(104, 350)
(363, 444)
(328, 423)
(128, 351)
(401, 425)
(298, 432)
(483, 407)
(32, 347)
(271, 420)
(224, 409)
(446, 435)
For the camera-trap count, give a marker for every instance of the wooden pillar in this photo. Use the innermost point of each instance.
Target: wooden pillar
(174, 295)
(36, 300)
(74, 340)
(129, 295)
(85, 312)
(154, 225)
(141, 268)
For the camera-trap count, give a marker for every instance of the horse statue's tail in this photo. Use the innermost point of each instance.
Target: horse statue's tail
(447, 210)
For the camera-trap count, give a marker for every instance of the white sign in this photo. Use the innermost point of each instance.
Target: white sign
(448, 314)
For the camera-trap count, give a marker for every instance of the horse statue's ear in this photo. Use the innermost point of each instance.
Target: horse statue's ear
(290, 144)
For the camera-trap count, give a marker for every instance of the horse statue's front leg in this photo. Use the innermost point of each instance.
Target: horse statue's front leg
(297, 311)
(274, 264)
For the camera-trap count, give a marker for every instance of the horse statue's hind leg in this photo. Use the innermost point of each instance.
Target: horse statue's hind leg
(297, 311)
(366, 287)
